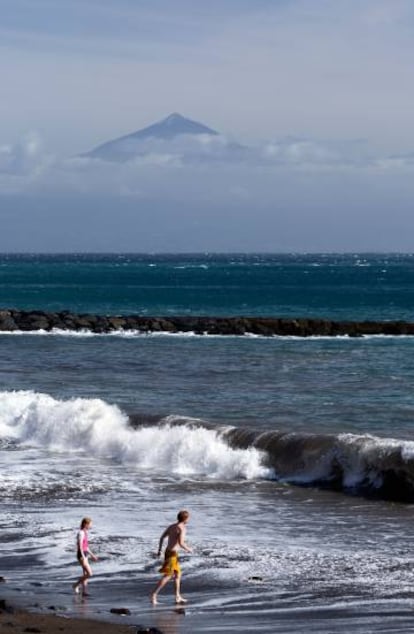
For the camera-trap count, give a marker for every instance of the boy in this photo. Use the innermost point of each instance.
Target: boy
(175, 533)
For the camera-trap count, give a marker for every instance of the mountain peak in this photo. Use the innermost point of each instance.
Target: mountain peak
(173, 118)
(174, 125)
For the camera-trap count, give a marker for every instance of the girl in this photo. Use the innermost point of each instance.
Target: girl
(83, 552)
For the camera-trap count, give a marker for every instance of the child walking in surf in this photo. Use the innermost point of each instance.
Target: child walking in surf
(175, 533)
(83, 553)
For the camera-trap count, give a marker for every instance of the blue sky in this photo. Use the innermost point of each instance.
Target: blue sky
(321, 88)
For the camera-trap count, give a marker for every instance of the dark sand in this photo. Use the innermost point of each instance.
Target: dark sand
(17, 618)
(17, 621)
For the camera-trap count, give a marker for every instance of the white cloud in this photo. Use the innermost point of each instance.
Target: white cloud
(192, 166)
(299, 151)
(23, 156)
(24, 163)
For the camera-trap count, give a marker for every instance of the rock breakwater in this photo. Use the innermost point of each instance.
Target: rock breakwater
(12, 320)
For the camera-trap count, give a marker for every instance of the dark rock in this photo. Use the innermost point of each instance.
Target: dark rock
(39, 324)
(262, 326)
(117, 323)
(180, 611)
(6, 607)
(6, 321)
(31, 629)
(148, 630)
(83, 323)
(122, 611)
(32, 321)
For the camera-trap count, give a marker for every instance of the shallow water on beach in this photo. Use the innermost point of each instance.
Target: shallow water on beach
(267, 558)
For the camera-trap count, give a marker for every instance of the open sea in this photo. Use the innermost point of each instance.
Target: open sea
(295, 457)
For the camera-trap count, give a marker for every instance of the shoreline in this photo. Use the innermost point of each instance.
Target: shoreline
(55, 608)
(19, 620)
(13, 320)
(30, 613)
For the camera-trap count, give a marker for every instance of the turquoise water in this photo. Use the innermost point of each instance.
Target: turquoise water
(332, 286)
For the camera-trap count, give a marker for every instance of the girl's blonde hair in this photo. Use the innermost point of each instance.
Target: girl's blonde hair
(85, 522)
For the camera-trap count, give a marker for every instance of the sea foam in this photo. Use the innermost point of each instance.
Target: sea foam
(103, 430)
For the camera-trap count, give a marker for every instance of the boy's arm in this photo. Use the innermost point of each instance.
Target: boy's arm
(181, 541)
(163, 536)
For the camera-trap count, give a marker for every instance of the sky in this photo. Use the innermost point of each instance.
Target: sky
(319, 91)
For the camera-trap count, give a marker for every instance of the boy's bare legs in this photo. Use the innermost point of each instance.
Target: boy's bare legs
(162, 582)
(177, 584)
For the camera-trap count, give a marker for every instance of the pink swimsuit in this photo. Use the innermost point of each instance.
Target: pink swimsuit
(82, 542)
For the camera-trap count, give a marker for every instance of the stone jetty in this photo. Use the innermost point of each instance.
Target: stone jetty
(26, 321)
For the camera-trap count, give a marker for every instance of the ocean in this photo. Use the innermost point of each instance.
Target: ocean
(294, 456)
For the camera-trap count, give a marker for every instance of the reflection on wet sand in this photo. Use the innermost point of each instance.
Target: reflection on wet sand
(170, 622)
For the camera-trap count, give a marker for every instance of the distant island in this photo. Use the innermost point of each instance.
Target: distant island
(162, 134)
(169, 128)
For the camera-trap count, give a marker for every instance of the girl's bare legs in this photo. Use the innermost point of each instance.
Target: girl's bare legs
(83, 580)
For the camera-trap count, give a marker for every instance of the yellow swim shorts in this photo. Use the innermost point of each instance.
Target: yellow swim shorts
(170, 565)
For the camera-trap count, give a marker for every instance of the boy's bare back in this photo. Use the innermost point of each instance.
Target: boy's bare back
(176, 536)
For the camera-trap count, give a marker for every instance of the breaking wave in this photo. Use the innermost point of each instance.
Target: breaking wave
(103, 430)
(359, 464)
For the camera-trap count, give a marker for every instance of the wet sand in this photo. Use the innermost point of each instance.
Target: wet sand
(32, 613)
(16, 621)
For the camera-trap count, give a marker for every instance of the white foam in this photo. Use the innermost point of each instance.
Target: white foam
(132, 334)
(102, 430)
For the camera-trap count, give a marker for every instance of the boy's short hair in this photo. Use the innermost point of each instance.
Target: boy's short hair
(183, 515)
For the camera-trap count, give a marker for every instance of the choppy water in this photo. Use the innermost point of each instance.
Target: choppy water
(336, 286)
(129, 429)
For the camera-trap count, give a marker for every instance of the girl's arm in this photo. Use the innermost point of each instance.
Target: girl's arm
(92, 556)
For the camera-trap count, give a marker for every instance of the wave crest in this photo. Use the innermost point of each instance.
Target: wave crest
(360, 464)
(103, 430)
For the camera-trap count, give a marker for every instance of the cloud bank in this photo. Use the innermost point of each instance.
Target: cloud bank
(190, 163)
(198, 194)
